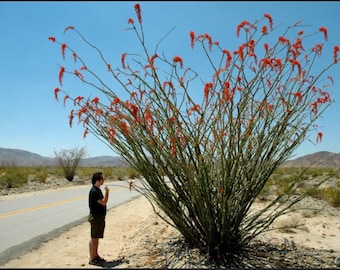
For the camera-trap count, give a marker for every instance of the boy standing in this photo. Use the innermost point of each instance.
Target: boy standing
(97, 205)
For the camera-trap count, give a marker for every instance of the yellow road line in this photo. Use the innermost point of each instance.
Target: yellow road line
(40, 207)
(46, 205)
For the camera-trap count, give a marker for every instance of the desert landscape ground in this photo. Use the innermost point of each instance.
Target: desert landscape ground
(136, 237)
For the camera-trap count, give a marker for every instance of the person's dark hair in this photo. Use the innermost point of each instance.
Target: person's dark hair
(96, 177)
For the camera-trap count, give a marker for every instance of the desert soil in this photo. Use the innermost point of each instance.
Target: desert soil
(135, 237)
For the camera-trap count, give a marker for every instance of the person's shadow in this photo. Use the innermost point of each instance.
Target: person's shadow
(111, 264)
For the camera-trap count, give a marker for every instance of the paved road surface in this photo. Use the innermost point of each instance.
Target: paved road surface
(27, 222)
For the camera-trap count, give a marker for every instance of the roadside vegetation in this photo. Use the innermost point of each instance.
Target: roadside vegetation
(278, 184)
(306, 181)
(13, 176)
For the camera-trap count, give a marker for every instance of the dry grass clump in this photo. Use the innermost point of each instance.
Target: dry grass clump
(290, 223)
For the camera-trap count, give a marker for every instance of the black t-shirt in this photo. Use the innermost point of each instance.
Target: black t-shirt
(96, 208)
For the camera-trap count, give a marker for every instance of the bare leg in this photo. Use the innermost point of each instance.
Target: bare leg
(93, 246)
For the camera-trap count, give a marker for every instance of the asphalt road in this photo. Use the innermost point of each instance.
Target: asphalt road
(28, 222)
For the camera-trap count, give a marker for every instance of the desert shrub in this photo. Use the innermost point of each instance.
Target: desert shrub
(56, 171)
(115, 172)
(314, 192)
(121, 173)
(69, 159)
(288, 223)
(132, 173)
(14, 177)
(331, 195)
(204, 159)
(333, 173)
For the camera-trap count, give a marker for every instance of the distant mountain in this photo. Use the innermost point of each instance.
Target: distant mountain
(103, 161)
(318, 159)
(16, 157)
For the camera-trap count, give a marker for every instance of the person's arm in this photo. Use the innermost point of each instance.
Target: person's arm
(106, 197)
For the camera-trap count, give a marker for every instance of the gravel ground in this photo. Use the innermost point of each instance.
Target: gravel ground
(173, 252)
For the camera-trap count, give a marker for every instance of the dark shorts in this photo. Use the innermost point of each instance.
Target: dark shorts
(97, 226)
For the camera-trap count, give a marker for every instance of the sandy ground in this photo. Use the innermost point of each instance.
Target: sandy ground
(135, 232)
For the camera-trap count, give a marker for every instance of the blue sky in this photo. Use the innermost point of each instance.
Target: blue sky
(32, 120)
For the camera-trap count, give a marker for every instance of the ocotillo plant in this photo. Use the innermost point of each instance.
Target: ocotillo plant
(203, 161)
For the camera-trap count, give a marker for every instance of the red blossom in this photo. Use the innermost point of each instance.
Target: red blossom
(99, 111)
(264, 30)
(81, 111)
(314, 106)
(74, 57)
(63, 48)
(319, 137)
(227, 94)
(229, 57)
(116, 101)
(269, 83)
(240, 51)
(324, 31)
(207, 37)
(192, 39)
(326, 97)
(173, 146)
(138, 12)
(56, 91)
(125, 128)
(207, 88)
(335, 53)
(298, 95)
(168, 83)
(181, 81)
(68, 28)
(130, 21)
(141, 94)
(148, 118)
(317, 49)
(134, 110)
(77, 100)
(331, 79)
(178, 59)
(277, 62)
(295, 63)
(152, 59)
(108, 67)
(51, 39)
(243, 25)
(95, 100)
(270, 20)
(266, 47)
(61, 74)
(284, 40)
(111, 134)
(298, 45)
(65, 98)
(266, 62)
(195, 107)
(85, 133)
(79, 74)
(123, 60)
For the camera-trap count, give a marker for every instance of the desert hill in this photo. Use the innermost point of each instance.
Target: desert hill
(318, 159)
(16, 157)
